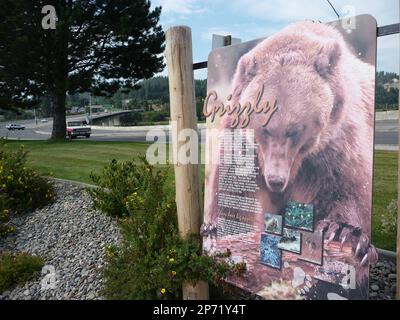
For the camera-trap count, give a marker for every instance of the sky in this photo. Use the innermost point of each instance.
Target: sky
(252, 19)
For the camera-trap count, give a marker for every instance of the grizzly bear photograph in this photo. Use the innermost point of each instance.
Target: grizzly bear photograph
(314, 148)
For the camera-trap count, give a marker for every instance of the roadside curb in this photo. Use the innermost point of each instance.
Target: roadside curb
(387, 115)
(386, 147)
(142, 128)
(42, 132)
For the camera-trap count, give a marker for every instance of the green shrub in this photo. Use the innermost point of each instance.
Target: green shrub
(17, 268)
(23, 188)
(119, 181)
(4, 217)
(155, 116)
(152, 261)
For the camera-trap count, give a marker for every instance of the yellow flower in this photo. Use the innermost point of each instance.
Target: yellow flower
(163, 291)
(171, 260)
(173, 273)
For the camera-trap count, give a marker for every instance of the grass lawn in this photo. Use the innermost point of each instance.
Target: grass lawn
(385, 189)
(74, 160)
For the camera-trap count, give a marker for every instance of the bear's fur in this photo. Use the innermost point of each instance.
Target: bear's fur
(318, 147)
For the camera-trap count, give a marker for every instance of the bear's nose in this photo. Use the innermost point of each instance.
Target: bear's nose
(276, 183)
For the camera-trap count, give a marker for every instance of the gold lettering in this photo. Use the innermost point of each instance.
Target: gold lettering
(240, 115)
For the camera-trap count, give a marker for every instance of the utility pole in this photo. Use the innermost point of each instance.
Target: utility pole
(90, 108)
(34, 113)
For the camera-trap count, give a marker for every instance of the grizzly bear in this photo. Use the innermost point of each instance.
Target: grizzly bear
(317, 147)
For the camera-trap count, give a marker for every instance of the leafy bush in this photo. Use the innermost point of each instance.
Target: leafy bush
(21, 186)
(155, 116)
(17, 268)
(152, 261)
(120, 181)
(389, 218)
(131, 119)
(4, 217)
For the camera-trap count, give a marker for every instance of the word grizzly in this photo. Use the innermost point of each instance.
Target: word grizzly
(240, 114)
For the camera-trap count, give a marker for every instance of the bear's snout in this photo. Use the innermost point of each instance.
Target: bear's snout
(276, 183)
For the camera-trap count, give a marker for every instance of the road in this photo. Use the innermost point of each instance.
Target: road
(385, 132)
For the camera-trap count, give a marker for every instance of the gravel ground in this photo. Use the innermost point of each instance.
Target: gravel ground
(70, 236)
(383, 281)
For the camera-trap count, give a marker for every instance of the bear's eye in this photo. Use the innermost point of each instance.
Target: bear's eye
(266, 133)
(292, 134)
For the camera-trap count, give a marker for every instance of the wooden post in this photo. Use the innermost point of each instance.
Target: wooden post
(398, 209)
(183, 116)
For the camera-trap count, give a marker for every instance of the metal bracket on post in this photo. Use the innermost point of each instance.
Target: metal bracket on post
(388, 30)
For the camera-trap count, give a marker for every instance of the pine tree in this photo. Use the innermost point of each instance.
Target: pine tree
(97, 45)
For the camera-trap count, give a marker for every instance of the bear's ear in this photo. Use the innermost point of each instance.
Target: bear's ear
(245, 72)
(328, 58)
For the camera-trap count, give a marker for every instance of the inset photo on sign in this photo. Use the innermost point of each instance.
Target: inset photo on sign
(337, 273)
(270, 254)
(273, 223)
(290, 241)
(312, 247)
(299, 216)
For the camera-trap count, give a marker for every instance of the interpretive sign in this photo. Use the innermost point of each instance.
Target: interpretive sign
(290, 139)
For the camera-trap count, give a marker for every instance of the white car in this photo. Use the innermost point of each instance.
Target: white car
(14, 126)
(78, 129)
(44, 121)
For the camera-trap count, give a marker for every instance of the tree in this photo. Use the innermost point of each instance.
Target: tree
(97, 46)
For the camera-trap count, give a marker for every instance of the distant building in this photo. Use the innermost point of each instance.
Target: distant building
(157, 107)
(394, 84)
(96, 108)
(77, 110)
(126, 102)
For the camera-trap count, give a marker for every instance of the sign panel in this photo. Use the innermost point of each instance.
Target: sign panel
(289, 154)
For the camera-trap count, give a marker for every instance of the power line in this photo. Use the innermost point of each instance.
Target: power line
(333, 9)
